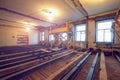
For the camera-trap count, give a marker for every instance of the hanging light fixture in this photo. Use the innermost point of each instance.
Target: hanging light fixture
(49, 13)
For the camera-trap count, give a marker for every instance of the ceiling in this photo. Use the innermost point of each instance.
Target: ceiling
(44, 13)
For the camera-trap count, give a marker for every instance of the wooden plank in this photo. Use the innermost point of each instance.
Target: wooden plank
(27, 55)
(12, 54)
(103, 72)
(44, 50)
(58, 30)
(34, 61)
(54, 75)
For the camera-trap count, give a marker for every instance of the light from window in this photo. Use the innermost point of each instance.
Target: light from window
(63, 36)
(80, 32)
(42, 36)
(104, 33)
(51, 37)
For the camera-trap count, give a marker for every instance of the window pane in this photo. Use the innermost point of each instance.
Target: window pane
(80, 32)
(82, 36)
(63, 36)
(51, 37)
(104, 33)
(77, 36)
(80, 27)
(100, 36)
(105, 25)
(42, 36)
(107, 36)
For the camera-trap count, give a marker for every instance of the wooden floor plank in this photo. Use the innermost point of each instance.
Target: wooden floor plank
(103, 73)
(52, 76)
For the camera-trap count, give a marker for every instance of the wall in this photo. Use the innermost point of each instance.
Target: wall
(33, 37)
(91, 34)
(46, 33)
(91, 30)
(9, 36)
(46, 36)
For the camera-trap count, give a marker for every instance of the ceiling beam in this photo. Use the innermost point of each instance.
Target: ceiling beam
(9, 21)
(80, 7)
(13, 22)
(24, 15)
(117, 16)
(13, 26)
(4, 25)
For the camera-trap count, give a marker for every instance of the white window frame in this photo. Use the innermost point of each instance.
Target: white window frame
(103, 35)
(64, 36)
(80, 32)
(51, 37)
(42, 35)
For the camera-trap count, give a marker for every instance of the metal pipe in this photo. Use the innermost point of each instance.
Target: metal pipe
(92, 69)
(72, 73)
(118, 58)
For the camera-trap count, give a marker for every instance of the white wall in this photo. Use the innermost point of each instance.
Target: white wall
(8, 36)
(33, 37)
(91, 33)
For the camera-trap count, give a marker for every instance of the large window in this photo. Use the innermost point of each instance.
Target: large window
(63, 36)
(104, 31)
(42, 36)
(51, 37)
(80, 31)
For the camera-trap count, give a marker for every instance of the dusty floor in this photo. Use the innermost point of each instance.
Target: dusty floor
(85, 69)
(113, 68)
(44, 72)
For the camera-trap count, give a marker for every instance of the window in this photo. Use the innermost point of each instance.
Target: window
(80, 32)
(51, 37)
(103, 31)
(63, 36)
(42, 36)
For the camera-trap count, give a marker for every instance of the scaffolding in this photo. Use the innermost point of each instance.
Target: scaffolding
(116, 31)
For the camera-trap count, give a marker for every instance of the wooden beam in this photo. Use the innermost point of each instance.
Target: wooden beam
(103, 72)
(59, 30)
(116, 17)
(64, 70)
(87, 31)
(24, 15)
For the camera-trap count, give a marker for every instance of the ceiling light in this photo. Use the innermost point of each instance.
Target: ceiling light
(49, 12)
(28, 29)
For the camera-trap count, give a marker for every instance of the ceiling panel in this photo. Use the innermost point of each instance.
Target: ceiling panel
(42, 9)
(2, 22)
(99, 6)
(35, 9)
(18, 19)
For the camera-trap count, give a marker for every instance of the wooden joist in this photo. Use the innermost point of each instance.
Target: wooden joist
(62, 70)
(19, 69)
(116, 17)
(103, 72)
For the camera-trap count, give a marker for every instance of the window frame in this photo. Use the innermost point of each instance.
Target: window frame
(64, 38)
(75, 32)
(50, 39)
(42, 36)
(96, 32)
